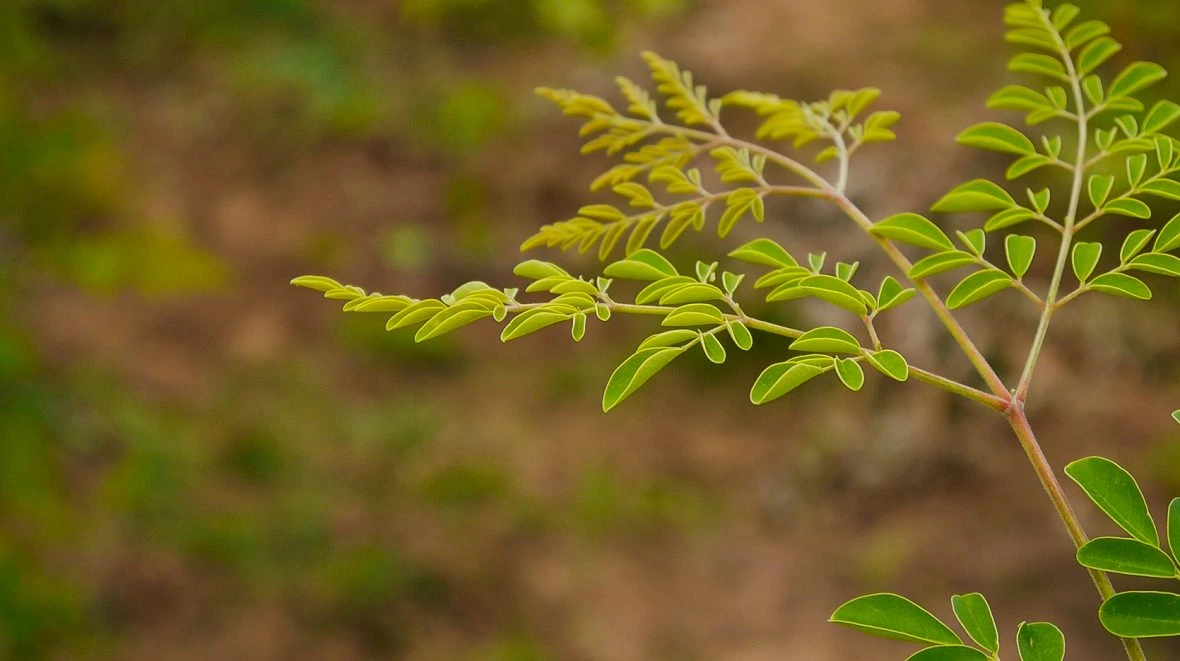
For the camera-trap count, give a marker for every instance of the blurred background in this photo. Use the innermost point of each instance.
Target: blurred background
(199, 462)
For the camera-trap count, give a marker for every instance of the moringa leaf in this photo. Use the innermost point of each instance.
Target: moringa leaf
(644, 264)
(320, 283)
(850, 373)
(827, 340)
(764, 252)
(949, 653)
(1126, 556)
(694, 314)
(636, 371)
(1085, 259)
(895, 617)
(977, 195)
(994, 136)
(781, 378)
(912, 229)
(978, 286)
(1020, 251)
(1115, 492)
(1121, 284)
(1136, 77)
(1040, 641)
(890, 363)
(1142, 614)
(974, 613)
(1157, 263)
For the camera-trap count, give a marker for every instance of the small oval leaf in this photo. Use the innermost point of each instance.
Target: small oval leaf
(1142, 614)
(1116, 493)
(895, 617)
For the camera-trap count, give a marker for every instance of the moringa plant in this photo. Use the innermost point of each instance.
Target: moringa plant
(1109, 145)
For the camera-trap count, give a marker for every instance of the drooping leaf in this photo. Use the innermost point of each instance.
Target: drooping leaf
(827, 339)
(978, 286)
(740, 335)
(1040, 641)
(1142, 614)
(994, 136)
(1126, 556)
(636, 371)
(713, 348)
(1121, 284)
(974, 613)
(895, 617)
(1020, 250)
(781, 378)
(913, 229)
(890, 363)
(1085, 259)
(1116, 493)
(850, 373)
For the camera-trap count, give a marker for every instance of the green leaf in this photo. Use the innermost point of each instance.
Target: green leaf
(384, 304)
(1142, 614)
(1134, 244)
(890, 363)
(978, 286)
(713, 349)
(1026, 164)
(1096, 53)
(1040, 641)
(636, 371)
(320, 283)
(974, 613)
(941, 262)
(740, 335)
(1008, 218)
(1165, 188)
(1020, 251)
(531, 321)
(1126, 556)
(1165, 150)
(1174, 518)
(913, 229)
(1082, 33)
(781, 378)
(1116, 493)
(1137, 76)
(642, 264)
(1036, 63)
(895, 617)
(534, 269)
(1136, 168)
(692, 293)
(1129, 207)
(977, 195)
(415, 313)
(1169, 237)
(994, 136)
(835, 291)
(892, 294)
(1017, 97)
(850, 373)
(1121, 284)
(695, 314)
(1100, 185)
(827, 340)
(450, 319)
(668, 338)
(1158, 263)
(948, 653)
(764, 252)
(737, 204)
(975, 241)
(1085, 259)
(657, 289)
(1161, 116)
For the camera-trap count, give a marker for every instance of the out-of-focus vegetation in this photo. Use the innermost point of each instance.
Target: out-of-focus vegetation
(315, 503)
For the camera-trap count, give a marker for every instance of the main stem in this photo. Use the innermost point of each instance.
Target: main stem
(1044, 470)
